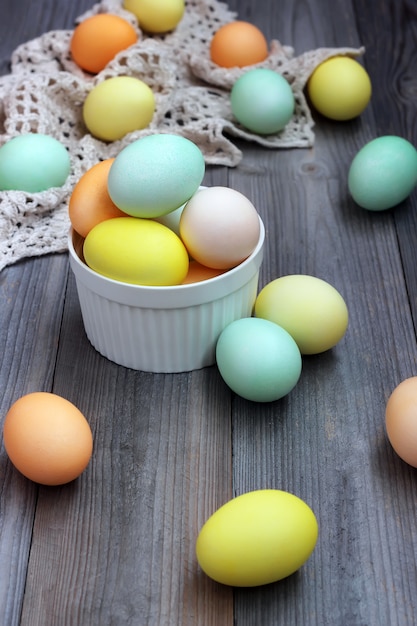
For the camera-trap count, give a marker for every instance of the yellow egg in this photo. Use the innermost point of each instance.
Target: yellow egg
(257, 538)
(136, 250)
(401, 420)
(339, 88)
(47, 438)
(118, 106)
(156, 16)
(311, 310)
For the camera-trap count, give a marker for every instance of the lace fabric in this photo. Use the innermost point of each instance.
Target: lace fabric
(45, 92)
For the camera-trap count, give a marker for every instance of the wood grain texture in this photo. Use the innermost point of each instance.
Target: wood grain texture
(116, 546)
(31, 302)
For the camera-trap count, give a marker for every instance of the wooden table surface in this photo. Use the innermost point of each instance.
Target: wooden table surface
(117, 546)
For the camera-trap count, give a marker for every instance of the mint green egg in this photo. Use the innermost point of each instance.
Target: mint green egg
(33, 162)
(383, 173)
(258, 359)
(262, 101)
(155, 175)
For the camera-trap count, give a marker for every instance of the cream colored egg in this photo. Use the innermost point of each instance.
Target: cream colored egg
(311, 310)
(220, 227)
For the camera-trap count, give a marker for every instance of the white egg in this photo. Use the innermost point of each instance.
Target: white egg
(220, 227)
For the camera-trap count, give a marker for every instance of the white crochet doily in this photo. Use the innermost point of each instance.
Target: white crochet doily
(45, 92)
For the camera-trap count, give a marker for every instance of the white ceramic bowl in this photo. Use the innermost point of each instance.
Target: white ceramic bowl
(162, 329)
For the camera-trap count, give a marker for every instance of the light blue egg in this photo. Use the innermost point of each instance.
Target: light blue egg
(155, 175)
(383, 173)
(33, 162)
(172, 219)
(258, 359)
(262, 101)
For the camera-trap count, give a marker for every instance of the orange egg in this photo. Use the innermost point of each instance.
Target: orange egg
(197, 273)
(97, 40)
(238, 44)
(47, 438)
(401, 420)
(90, 203)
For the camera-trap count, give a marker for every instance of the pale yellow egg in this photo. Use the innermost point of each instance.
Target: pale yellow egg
(156, 16)
(311, 310)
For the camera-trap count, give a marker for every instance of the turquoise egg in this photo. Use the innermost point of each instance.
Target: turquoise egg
(383, 173)
(155, 175)
(262, 101)
(258, 359)
(33, 162)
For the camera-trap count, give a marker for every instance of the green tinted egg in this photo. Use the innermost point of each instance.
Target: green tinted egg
(155, 175)
(258, 359)
(33, 162)
(262, 101)
(383, 173)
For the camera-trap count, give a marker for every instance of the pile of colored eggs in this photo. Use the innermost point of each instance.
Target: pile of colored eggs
(147, 221)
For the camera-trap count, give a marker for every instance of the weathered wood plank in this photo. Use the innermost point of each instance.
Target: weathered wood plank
(31, 302)
(326, 440)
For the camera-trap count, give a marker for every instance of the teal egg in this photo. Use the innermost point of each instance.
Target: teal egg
(383, 173)
(33, 162)
(258, 359)
(155, 175)
(262, 101)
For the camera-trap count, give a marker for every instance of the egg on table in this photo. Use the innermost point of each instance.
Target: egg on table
(311, 310)
(401, 420)
(383, 173)
(47, 438)
(257, 538)
(258, 359)
(339, 88)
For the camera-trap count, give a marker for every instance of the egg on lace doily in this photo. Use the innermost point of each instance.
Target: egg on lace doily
(97, 39)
